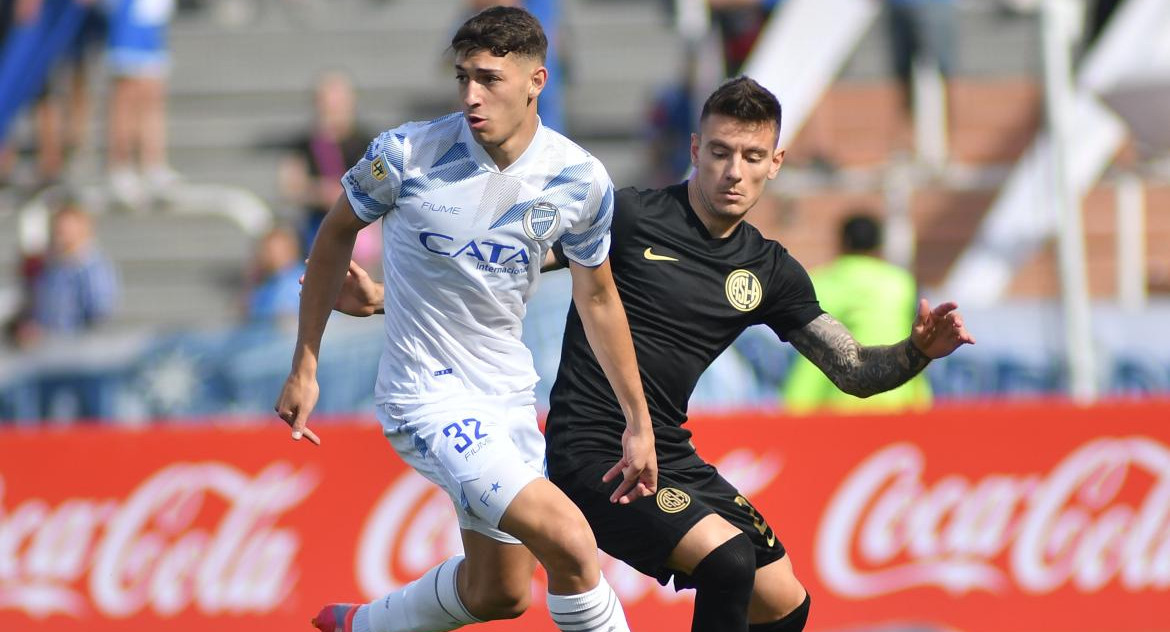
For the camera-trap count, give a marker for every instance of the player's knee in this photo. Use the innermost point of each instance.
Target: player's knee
(575, 549)
(792, 622)
(494, 602)
(729, 568)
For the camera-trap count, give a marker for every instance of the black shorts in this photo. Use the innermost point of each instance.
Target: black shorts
(645, 532)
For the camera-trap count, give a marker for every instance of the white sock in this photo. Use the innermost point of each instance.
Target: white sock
(428, 604)
(596, 610)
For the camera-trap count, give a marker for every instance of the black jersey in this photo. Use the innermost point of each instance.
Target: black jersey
(687, 296)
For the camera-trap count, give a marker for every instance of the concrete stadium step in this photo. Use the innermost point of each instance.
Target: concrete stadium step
(176, 270)
(180, 306)
(162, 236)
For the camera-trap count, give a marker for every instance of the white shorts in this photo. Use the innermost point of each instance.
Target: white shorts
(481, 450)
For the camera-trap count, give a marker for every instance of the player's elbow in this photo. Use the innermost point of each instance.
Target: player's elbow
(852, 383)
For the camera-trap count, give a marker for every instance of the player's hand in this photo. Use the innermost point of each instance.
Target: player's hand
(297, 400)
(938, 332)
(638, 468)
(360, 295)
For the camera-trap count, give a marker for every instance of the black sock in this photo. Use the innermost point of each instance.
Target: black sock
(792, 622)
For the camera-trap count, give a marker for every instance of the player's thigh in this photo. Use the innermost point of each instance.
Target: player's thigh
(549, 524)
(777, 592)
(709, 534)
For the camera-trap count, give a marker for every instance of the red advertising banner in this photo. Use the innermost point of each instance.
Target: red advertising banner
(996, 518)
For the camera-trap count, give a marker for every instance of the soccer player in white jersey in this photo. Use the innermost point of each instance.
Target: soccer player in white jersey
(470, 205)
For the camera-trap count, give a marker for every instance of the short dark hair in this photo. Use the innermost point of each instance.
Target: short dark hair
(502, 30)
(861, 232)
(743, 99)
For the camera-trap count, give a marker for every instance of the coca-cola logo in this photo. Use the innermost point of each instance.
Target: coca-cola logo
(412, 527)
(200, 535)
(1101, 516)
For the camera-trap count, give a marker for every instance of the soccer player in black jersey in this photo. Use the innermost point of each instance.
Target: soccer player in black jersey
(692, 276)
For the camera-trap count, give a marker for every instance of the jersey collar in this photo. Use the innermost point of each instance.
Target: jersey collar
(680, 193)
(530, 156)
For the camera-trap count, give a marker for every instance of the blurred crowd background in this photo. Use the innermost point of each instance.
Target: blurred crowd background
(164, 165)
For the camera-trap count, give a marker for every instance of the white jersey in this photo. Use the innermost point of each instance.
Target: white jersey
(462, 246)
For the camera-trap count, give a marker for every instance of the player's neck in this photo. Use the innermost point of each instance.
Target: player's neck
(509, 151)
(719, 226)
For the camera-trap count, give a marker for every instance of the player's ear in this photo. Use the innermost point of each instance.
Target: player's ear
(536, 82)
(695, 142)
(777, 160)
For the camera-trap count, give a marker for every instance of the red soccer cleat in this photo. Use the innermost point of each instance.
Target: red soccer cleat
(336, 617)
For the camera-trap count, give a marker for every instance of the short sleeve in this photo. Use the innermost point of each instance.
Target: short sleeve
(373, 183)
(627, 207)
(793, 303)
(586, 241)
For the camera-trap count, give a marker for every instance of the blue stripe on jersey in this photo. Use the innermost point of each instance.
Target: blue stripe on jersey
(606, 208)
(458, 151)
(575, 240)
(585, 252)
(577, 192)
(438, 178)
(575, 173)
(394, 150)
(369, 203)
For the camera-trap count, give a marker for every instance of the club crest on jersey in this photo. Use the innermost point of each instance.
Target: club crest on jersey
(671, 500)
(378, 169)
(743, 290)
(541, 221)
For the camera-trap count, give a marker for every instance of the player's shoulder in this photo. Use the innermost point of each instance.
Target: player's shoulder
(578, 162)
(668, 201)
(432, 130)
(754, 243)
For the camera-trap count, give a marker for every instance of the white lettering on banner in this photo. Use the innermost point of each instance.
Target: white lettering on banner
(886, 531)
(413, 527)
(149, 553)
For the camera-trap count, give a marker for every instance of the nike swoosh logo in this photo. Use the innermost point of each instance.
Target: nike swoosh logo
(653, 257)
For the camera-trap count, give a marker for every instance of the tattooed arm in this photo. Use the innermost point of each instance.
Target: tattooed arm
(868, 370)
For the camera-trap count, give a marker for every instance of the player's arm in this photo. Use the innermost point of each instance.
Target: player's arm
(324, 274)
(360, 295)
(554, 259)
(604, 320)
(862, 370)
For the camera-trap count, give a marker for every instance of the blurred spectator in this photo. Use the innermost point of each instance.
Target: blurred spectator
(739, 23)
(875, 300)
(62, 103)
(673, 114)
(311, 176)
(139, 62)
(1099, 14)
(925, 29)
(64, 108)
(275, 294)
(8, 20)
(73, 289)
